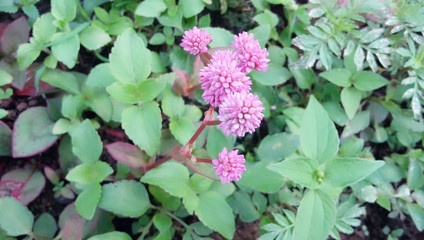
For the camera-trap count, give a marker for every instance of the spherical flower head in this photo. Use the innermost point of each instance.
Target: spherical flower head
(222, 77)
(250, 53)
(195, 41)
(240, 113)
(229, 166)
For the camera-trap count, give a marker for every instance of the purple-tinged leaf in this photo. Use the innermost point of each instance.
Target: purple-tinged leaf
(70, 212)
(128, 154)
(73, 229)
(15, 34)
(5, 140)
(32, 133)
(51, 175)
(32, 183)
(10, 188)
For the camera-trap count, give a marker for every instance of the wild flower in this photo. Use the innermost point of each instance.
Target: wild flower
(249, 52)
(240, 113)
(196, 40)
(229, 166)
(222, 77)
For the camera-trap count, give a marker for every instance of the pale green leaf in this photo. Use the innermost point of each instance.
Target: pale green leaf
(15, 219)
(86, 143)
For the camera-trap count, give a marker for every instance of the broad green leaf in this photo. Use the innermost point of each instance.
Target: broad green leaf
(191, 201)
(359, 122)
(44, 28)
(157, 64)
(262, 34)
(100, 76)
(217, 140)
(63, 80)
(338, 76)
(94, 37)
(111, 236)
(182, 129)
(351, 98)
(130, 64)
(214, 212)
(261, 178)
(319, 139)
(278, 146)
(358, 168)
(8, 6)
(127, 198)
(267, 17)
(66, 48)
(32, 132)
(169, 202)
(72, 106)
(27, 53)
(191, 7)
(351, 147)
(87, 201)
(99, 101)
(143, 125)
(171, 176)
(368, 81)
(45, 226)
(128, 93)
(221, 37)
(15, 219)
(417, 215)
(86, 143)
(299, 170)
(315, 217)
(199, 183)
(415, 175)
(275, 75)
(243, 204)
(162, 221)
(304, 77)
(150, 8)
(88, 173)
(172, 104)
(64, 9)
(5, 78)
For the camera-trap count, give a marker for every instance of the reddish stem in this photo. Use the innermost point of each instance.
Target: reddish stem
(157, 163)
(204, 160)
(213, 123)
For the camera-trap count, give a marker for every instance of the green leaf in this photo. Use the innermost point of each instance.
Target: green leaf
(221, 37)
(44, 28)
(243, 204)
(359, 122)
(338, 76)
(162, 221)
(5, 140)
(275, 75)
(214, 212)
(64, 9)
(111, 236)
(63, 80)
(319, 139)
(128, 93)
(278, 146)
(150, 8)
(304, 77)
(368, 81)
(99, 101)
(191, 7)
(315, 217)
(172, 104)
(143, 125)
(88, 173)
(8, 6)
(171, 176)
(87, 201)
(15, 219)
(31, 11)
(415, 175)
(66, 49)
(358, 169)
(182, 129)
(130, 64)
(261, 178)
(5, 78)
(32, 132)
(72, 106)
(100, 76)
(128, 198)
(325, 56)
(86, 143)
(351, 98)
(27, 53)
(157, 64)
(417, 215)
(217, 140)
(157, 39)
(45, 226)
(299, 170)
(94, 37)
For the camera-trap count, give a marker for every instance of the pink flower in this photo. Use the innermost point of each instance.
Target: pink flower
(221, 77)
(195, 41)
(250, 53)
(229, 166)
(240, 113)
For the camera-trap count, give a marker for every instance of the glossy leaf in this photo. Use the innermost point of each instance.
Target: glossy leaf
(128, 198)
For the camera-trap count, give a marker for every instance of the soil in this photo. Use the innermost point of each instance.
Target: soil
(373, 222)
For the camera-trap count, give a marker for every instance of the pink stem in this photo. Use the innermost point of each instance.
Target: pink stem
(213, 123)
(204, 160)
(157, 163)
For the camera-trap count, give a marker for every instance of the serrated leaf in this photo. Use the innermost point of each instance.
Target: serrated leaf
(128, 198)
(182, 129)
(63, 80)
(87, 200)
(86, 143)
(100, 76)
(66, 47)
(150, 8)
(88, 173)
(64, 9)
(44, 28)
(27, 53)
(94, 37)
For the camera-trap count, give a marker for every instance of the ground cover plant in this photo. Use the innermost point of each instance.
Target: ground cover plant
(207, 119)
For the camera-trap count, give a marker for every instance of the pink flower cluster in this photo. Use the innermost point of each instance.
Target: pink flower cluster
(227, 86)
(229, 166)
